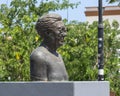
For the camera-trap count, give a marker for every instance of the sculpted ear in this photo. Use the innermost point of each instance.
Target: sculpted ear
(49, 34)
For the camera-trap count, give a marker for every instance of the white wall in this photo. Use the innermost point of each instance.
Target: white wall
(91, 19)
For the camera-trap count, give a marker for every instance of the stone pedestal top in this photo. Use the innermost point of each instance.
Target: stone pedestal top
(70, 88)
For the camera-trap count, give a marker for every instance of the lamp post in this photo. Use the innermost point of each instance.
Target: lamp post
(100, 43)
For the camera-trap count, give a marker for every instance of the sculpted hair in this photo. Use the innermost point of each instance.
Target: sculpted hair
(45, 23)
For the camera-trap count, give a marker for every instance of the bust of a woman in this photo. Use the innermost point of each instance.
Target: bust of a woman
(46, 63)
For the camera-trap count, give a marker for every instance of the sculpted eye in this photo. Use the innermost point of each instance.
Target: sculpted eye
(62, 29)
(59, 28)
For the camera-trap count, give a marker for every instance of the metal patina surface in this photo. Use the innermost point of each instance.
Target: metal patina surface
(46, 63)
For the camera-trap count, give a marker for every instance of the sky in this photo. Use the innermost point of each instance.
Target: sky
(76, 13)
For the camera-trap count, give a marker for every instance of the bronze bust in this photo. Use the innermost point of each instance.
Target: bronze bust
(46, 63)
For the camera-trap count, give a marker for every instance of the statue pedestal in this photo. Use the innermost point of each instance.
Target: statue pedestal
(77, 88)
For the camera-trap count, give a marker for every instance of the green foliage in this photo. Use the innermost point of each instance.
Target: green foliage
(113, 1)
(18, 38)
(80, 53)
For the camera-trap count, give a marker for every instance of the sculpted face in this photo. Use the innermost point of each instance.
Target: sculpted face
(46, 63)
(51, 28)
(59, 32)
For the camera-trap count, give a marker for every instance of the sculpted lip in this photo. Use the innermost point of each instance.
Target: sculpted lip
(61, 40)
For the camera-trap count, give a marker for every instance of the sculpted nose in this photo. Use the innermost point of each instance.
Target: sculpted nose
(64, 34)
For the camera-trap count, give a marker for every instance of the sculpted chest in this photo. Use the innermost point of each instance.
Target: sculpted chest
(45, 64)
(55, 68)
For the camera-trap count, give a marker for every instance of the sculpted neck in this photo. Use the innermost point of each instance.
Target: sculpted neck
(50, 47)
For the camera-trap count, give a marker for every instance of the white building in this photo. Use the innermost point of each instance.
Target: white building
(109, 12)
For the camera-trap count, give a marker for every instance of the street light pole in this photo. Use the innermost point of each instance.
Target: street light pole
(100, 43)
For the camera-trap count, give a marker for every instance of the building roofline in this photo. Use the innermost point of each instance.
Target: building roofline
(108, 10)
(103, 6)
